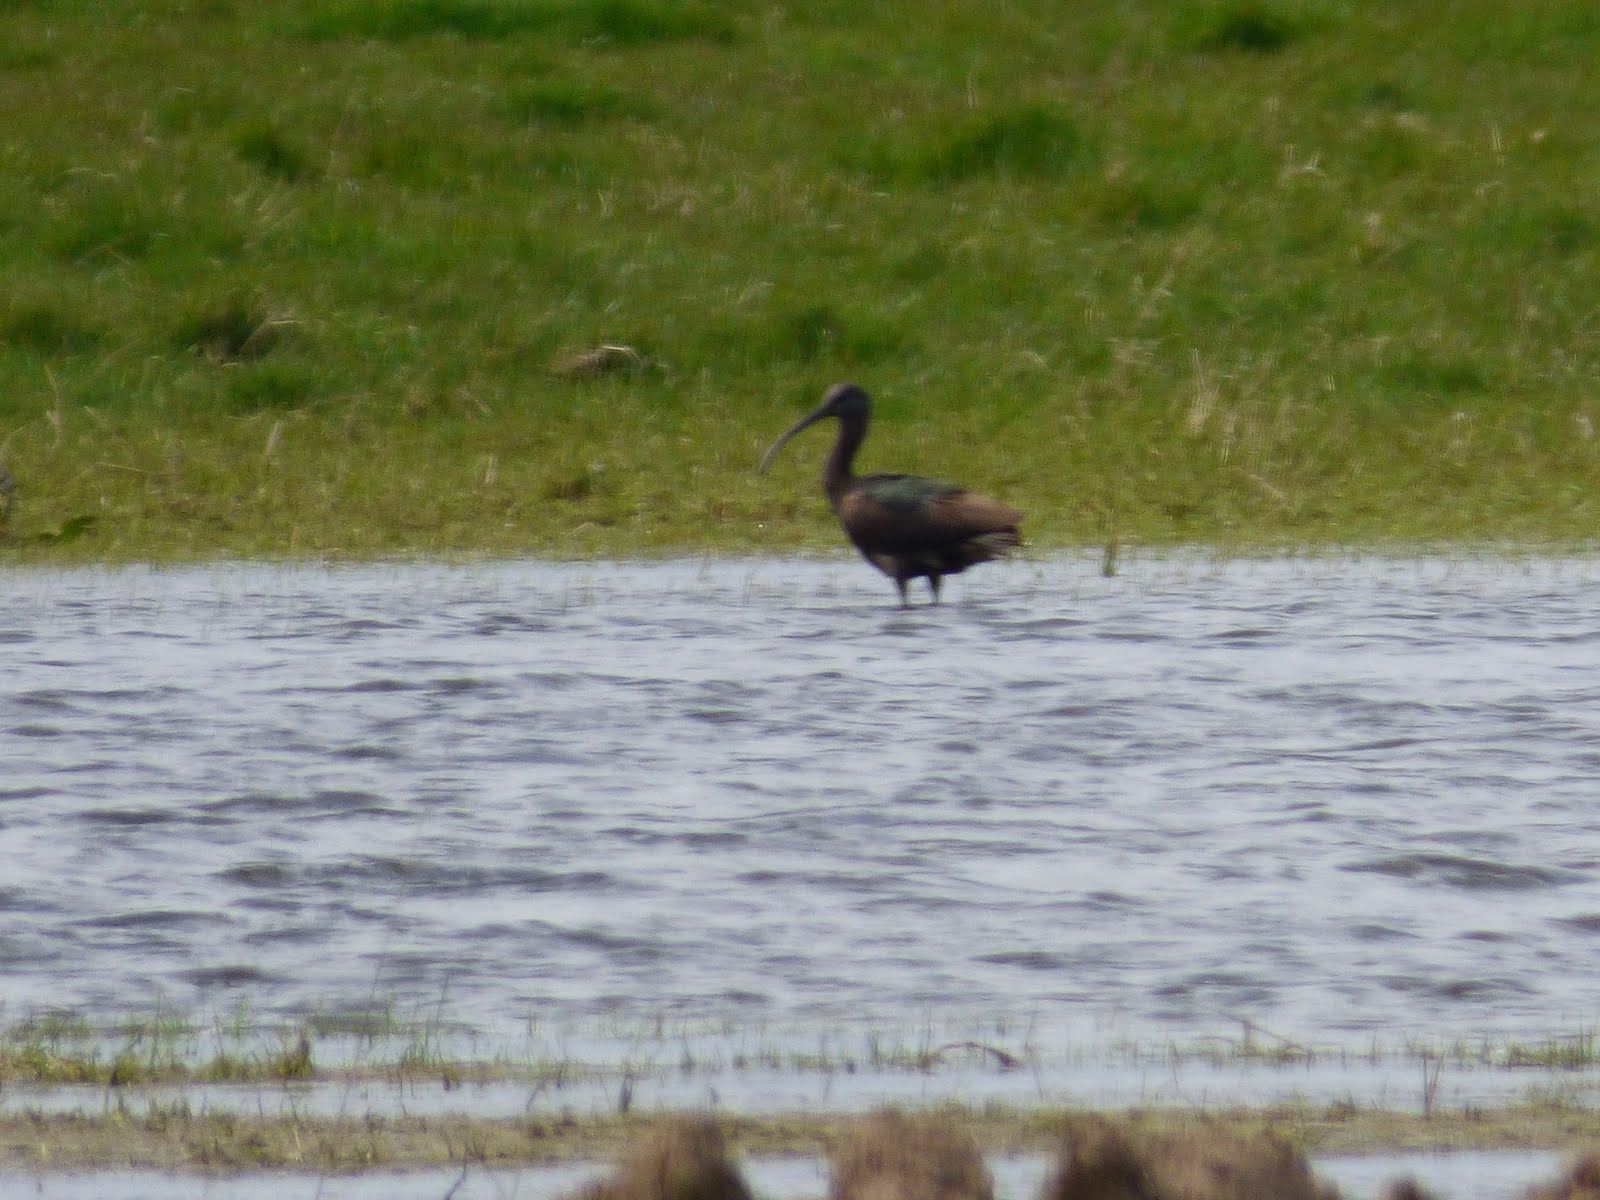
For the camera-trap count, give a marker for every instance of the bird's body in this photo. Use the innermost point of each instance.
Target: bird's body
(906, 526)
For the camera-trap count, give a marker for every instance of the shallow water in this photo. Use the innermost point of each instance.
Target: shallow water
(1457, 1176)
(1344, 800)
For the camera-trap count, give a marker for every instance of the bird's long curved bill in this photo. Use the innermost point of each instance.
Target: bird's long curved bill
(803, 423)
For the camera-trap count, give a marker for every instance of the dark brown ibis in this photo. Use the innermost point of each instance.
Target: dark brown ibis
(904, 525)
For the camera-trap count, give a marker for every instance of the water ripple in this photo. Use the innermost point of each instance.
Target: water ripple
(1333, 797)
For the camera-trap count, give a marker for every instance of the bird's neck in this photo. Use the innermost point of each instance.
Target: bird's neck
(838, 473)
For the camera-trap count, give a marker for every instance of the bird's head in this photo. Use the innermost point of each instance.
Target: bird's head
(842, 400)
(847, 401)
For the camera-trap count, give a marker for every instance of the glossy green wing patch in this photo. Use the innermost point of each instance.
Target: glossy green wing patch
(905, 493)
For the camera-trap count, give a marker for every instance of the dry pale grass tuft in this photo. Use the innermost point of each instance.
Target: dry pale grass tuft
(893, 1156)
(683, 1158)
(1112, 1162)
(1581, 1182)
(601, 360)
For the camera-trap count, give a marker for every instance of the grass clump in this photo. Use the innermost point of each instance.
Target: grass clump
(821, 333)
(239, 329)
(264, 146)
(1030, 141)
(1147, 205)
(1033, 141)
(1251, 28)
(630, 22)
(400, 19)
(1578, 1052)
(64, 1049)
(572, 103)
(48, 329)
(290, 1063)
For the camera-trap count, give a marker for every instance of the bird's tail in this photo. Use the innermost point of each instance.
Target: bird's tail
(987, 546)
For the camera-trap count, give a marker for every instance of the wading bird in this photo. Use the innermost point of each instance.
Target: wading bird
(904, 525)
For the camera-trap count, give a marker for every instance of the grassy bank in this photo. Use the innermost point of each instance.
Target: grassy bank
(322, 278)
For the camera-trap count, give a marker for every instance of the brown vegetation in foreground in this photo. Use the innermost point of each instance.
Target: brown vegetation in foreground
(1581, 1182)
(891, 1155)
(1112, 1162)
(683, 1158)
(1162, 1154)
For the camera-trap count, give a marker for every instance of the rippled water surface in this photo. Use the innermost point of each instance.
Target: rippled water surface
(1334, 798)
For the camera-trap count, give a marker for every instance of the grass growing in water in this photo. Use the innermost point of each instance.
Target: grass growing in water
(54, 1048)
(121, 1120)
(178, 1137)
(299, 279)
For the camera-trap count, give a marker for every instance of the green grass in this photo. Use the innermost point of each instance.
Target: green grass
(56, 1049)
(304, 279)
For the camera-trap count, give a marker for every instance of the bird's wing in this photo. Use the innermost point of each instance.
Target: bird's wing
(974, 513)
(901, 513)
(903, 493)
